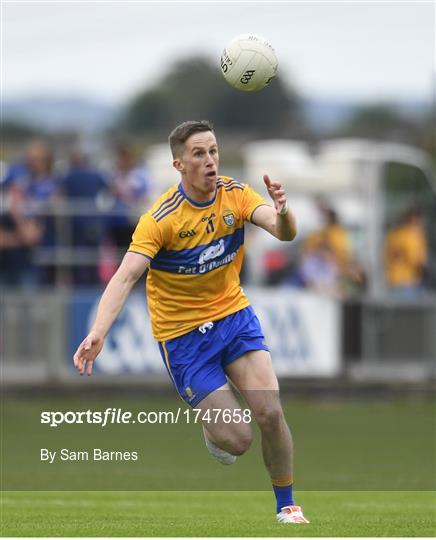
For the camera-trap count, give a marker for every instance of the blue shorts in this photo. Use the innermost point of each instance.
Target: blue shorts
(196, 360)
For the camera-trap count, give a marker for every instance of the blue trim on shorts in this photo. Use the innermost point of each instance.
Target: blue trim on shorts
(196, 361)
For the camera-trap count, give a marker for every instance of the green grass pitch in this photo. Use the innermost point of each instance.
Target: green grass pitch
(207, 514)
(363, 468)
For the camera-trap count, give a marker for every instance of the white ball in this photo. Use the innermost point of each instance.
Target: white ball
(249, 63)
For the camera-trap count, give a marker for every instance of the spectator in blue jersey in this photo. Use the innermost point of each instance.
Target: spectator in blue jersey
(83, 188)
(320, 272)
(19, 233)
(29, 192)
(33, 167)
(130, 186)
(15, 171)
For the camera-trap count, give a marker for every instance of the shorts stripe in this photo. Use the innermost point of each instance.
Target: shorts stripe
(167, 363)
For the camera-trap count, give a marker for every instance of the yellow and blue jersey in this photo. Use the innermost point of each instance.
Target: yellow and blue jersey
(196, 252)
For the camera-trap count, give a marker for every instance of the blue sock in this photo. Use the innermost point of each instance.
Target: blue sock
(283, 495)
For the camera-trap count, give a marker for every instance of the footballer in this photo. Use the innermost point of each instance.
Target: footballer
(192, 242)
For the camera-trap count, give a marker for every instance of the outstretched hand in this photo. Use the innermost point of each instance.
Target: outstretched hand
(276, 192)
(87, 352)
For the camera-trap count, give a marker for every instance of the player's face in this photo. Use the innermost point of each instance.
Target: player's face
(199, 165)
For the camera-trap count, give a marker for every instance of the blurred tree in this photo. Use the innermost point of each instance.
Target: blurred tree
(18, 130)
(147, 109)
(195, 89)
(429, 122)
(384, 122)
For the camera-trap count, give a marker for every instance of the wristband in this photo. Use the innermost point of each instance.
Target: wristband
(284, 210)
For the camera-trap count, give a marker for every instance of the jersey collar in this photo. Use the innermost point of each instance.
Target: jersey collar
(195, 203)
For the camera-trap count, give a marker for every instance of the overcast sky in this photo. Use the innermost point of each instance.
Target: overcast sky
(110, 50)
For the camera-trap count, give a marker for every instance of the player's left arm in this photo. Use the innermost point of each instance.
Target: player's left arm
(278, 221)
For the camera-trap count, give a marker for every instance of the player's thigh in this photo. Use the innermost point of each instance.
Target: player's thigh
(253, 371)
(254, 376)
(222, 416)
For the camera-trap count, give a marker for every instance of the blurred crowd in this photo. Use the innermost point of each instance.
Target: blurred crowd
(324, 261)
(90, 209)
(70, 226)
(406, 256)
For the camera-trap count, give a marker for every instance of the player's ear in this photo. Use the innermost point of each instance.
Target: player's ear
(178, 165)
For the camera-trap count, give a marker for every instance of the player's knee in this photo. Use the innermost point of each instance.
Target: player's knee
(270, 418)
(241, 444)
(239, 441)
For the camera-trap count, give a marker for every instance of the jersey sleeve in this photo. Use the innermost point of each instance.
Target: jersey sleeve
(250, 201)
(147, 237)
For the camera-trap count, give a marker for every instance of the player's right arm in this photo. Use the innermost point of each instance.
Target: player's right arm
(111, 303)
